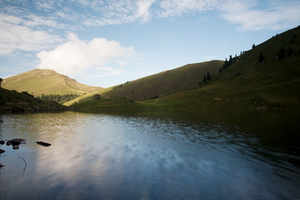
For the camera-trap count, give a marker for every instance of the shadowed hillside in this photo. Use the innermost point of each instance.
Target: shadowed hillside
(46, 81)
(13, 101)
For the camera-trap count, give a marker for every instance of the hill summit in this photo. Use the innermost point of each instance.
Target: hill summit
(46, 81)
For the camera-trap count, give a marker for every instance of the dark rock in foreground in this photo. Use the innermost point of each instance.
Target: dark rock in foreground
(16, 141)
(8, 143)
(45, 144)
(1, 151)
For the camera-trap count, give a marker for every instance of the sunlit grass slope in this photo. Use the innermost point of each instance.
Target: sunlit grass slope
(78, 99)
(165, 83)
(46, 81)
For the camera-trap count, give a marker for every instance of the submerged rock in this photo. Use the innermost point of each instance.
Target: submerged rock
(43, 143)
(15, 146)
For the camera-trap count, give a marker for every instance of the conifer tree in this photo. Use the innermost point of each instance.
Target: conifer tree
(226, 64)
(261, 57)
(230, 60)
(204, 79)
(281, 53)
(208, 76)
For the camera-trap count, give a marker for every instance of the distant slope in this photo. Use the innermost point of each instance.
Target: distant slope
(76, 100)
(46, 81)
(166, 83)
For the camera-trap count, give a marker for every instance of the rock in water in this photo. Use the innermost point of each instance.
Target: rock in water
(45, 144)
(1, 151)
(18, 141)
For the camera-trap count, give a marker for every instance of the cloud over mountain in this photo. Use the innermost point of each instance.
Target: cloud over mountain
(77, 56)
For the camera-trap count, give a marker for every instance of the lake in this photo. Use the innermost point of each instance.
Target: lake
(212, 154)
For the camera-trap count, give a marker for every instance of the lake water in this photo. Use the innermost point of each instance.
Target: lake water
(215, 154)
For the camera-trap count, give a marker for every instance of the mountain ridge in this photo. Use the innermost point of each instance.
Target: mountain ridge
(244, 81)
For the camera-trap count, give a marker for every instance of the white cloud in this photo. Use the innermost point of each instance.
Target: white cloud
(252, 15)
(144, 10)
(117, 12)
(108, 71)
(77, 56)
(16, 34)
(122, 63)
(178, 7)
(35, 21)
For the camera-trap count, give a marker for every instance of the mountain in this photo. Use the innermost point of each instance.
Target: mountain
(266, 76)
(45, 81)
(250, 82)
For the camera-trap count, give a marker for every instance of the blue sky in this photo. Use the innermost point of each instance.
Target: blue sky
(106, 43)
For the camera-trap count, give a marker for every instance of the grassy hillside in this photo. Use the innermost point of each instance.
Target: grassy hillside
(109, 104)
(46, 81)
(165, 83)
(12, 101)
(248, 83)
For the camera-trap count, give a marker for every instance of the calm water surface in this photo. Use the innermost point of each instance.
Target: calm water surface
(152, 155)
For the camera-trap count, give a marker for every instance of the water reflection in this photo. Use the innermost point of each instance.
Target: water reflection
(152, 155)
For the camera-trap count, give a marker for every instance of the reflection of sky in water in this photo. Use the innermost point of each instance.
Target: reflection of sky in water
(135, 157)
